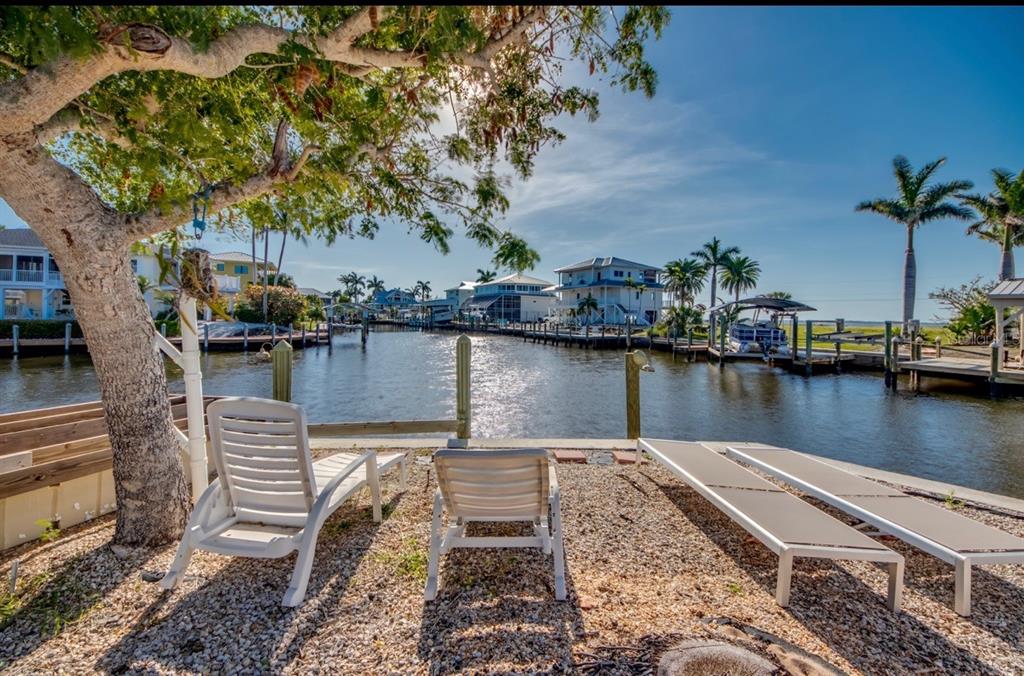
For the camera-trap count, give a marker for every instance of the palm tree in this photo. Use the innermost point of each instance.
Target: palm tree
(739, 274)
(354, 284)
(423, 289)
(587, 306)
(484, 276)
(781, 295)
(1002, 217)
(374, 285)
(684, 278)
(713, 255)
(918, 202)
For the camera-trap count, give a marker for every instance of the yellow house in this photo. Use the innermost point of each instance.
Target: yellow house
(234, 270)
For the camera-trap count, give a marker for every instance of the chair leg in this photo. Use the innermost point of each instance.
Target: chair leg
(373, 479)
(962, 591)
(296, 591)
(435, 550)
(403, 481)
(558, 549)
(895, 585)
(785, 577)
(181, 560)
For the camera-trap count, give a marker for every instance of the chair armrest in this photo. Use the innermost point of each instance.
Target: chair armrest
(323, 500)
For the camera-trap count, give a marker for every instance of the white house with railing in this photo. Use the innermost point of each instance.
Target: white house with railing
(31, 284)
(621, 288)
(513, 298)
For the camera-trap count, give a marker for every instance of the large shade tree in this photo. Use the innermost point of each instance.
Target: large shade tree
(919, 200)
(117, 121)
(1002, 217)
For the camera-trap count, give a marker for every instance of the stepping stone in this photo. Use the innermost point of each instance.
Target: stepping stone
(567, 455)
(626, 457)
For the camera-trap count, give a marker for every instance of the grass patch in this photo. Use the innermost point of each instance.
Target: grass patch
(409, 560)
(734, 588)
(49, 602)
(952, 502)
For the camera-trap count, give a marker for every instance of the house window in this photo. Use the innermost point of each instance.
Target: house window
(135, 266)
(617, 273)
(629, 274)
(220, 267)
(599, 276)
(241, 269)
(577, 296)
(638, 295)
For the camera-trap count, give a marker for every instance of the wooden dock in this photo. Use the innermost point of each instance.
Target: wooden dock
(963, 369)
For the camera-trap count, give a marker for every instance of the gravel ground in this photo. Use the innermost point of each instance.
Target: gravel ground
(649, 562)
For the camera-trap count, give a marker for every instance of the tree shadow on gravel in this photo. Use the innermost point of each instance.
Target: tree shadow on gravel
(46, 603)
(872, 638)
(234, 619)
(497, 606)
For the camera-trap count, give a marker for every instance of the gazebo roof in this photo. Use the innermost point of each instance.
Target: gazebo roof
(1008, 290)
(765, 303)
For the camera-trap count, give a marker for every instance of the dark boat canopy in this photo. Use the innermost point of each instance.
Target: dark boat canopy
(765, 303)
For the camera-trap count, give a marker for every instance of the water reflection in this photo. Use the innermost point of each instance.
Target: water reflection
(522, 389)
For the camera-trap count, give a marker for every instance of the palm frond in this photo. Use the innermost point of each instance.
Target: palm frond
(904, 174)
(926, 172)
(945, 210)
(940, 191)
(890, 208)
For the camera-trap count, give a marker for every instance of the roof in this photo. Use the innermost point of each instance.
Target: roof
(309, 291)
(1008, 289)
(604, 263)
(765, 303)
(466, 286)
(20, 237)
(516, 279)
(240, 257)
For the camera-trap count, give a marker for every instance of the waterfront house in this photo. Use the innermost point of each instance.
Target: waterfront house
(513, 298)
(30, 281)
(445, 309)
(621, 287)
(394, 300)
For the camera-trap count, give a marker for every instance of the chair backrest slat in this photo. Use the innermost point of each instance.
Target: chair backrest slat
(261, 451)
(503, 484)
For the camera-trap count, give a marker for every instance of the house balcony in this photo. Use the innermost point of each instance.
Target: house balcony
(28, 276)
(6, 275)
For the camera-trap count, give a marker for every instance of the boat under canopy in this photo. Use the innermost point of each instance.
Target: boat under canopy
(773, 305)
(763, 336)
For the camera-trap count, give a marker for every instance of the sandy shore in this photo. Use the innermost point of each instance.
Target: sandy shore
(649, 562)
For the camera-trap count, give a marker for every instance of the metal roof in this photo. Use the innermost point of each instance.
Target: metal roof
(1009, 289)
(20, 237)
(603, 262)
(765, 303)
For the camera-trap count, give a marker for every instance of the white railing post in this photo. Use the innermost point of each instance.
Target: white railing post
(193, 396)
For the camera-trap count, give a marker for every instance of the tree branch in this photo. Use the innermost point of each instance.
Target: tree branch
(70, 120)
(482, 59)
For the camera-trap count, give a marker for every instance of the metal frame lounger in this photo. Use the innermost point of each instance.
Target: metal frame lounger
(782, 522)
(270, 498)
(507, 485)
(948, 536)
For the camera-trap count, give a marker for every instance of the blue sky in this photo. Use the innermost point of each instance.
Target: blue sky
(769, 125)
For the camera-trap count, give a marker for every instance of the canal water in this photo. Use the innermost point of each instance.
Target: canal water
(526, 390)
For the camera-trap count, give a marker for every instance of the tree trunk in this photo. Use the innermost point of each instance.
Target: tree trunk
(280, 259)
(80, 232)
(1006, 270)
(266, 257)
(909, 280)
(252, 274)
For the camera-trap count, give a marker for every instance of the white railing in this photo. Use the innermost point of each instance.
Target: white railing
(6, 275)
(56, 276)
(29, 275)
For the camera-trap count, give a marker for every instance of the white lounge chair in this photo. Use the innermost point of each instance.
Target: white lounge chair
(782, 522)
(948, 536)
(270, 498)
(505, 485)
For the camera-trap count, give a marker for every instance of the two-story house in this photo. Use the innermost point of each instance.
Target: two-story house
(447, 308)
(621, 288)
(513, 298)
(30, 281)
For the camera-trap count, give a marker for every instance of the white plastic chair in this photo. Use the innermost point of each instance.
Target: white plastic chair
(489, 486)
(270, 498)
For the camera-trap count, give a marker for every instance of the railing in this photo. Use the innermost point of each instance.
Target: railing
(56, 276)
(6, 275)
(29, 275)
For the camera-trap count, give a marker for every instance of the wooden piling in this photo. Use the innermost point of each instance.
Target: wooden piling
(938, 348)
(206, 337)
(15, 330)
(245, 337)
(721, 346)
(634, 360)
(163, 329)
(281, 370)
(290, 332)
(809, 346)
(330, 334)
(463, 410)
(887, 360)
(994, 364)
(365, 328)
(67, 338)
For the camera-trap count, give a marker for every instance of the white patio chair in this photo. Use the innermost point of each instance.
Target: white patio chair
(490, 486)
(270, 498)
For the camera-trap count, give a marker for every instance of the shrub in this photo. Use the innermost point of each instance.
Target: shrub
(284, 305)
(38, 328)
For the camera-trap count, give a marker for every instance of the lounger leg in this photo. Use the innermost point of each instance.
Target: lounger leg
(303, 567)
(543, 531)
(435, 549)
(403, 481)
(895, 585)
(962, 592)
(181, 560)
(373, 478)
(557, 547)
(784, 579)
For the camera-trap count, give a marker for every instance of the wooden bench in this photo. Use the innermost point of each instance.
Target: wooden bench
(55, 467)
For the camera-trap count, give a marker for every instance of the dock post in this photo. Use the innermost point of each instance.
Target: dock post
(721, 347)
(289, 332)
(839, 356)
(629, 334)
(303, 334)
(281, 369)
(690, 355)
(995, 363)
(330, 334)
(633, 363)
(273, 333)
(938, 348)
(245, 337)
(887, 360)
(67, 338)
(163, 329)
(14, 342)
(463, 355)
(809, 345)
(206, 337)
(365, 328)
(895, 363)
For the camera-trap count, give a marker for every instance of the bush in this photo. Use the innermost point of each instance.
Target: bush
(38, 328)
(314, 309)
(284, 305)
